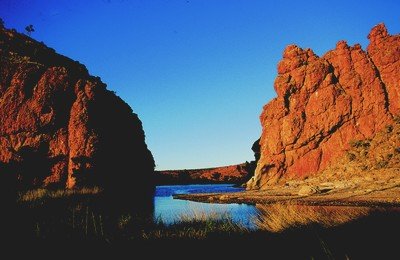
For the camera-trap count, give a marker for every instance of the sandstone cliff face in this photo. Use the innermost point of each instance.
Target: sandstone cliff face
(237, 174)
(61, 127)
(323, 103)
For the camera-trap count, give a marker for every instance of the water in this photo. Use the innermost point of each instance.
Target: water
(171, 210)
(344, 220)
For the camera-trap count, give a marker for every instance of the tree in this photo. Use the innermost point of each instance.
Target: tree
(1, 23)
(29, 29)
(216, 175)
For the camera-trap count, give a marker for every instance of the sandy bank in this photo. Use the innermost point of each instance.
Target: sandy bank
(378, 188)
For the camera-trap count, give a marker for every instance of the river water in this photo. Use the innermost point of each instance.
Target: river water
(274, 217)
(170, 210)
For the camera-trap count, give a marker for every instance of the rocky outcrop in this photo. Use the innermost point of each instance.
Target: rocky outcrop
(325, 102)
(236, 174)
(61, 127)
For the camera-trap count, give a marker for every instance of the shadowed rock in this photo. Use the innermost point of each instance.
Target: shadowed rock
(61, 127)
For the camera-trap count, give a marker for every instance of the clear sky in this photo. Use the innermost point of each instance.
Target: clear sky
(197, 72)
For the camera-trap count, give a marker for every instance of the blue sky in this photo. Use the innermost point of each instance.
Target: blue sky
(196, 71)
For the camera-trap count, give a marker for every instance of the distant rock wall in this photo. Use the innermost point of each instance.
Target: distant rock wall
(61, 127)
(323, 103)
(237, 174)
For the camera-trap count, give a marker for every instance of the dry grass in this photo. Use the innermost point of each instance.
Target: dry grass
(75, 214)
(196, 224)
(40, 194)
(381, 152)
(79, 220)
(199, 226)
(279, 217)
(198, 214)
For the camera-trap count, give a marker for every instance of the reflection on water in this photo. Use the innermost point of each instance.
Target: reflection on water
(278, 217)
(170, 210)
(271, 217)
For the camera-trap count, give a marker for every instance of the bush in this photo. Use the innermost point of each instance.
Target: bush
(359, 143)
(388, 128)
(381, 164)
(351, 156)
(29, 29)
(216, 175)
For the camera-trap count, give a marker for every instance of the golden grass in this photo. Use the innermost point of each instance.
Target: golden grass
(279, 217)
(39, 194)
(198, 214)
(195, 224)
(196, 227)
(76, 216)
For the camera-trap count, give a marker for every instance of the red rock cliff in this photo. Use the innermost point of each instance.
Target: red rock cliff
(237, 174)
(324, 102)
(61, 127)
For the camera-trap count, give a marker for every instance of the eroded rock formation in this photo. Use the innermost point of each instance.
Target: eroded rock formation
(237, 174)
(61, 127)
(325, 102)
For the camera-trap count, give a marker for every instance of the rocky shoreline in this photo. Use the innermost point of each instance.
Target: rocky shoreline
(359, 191)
